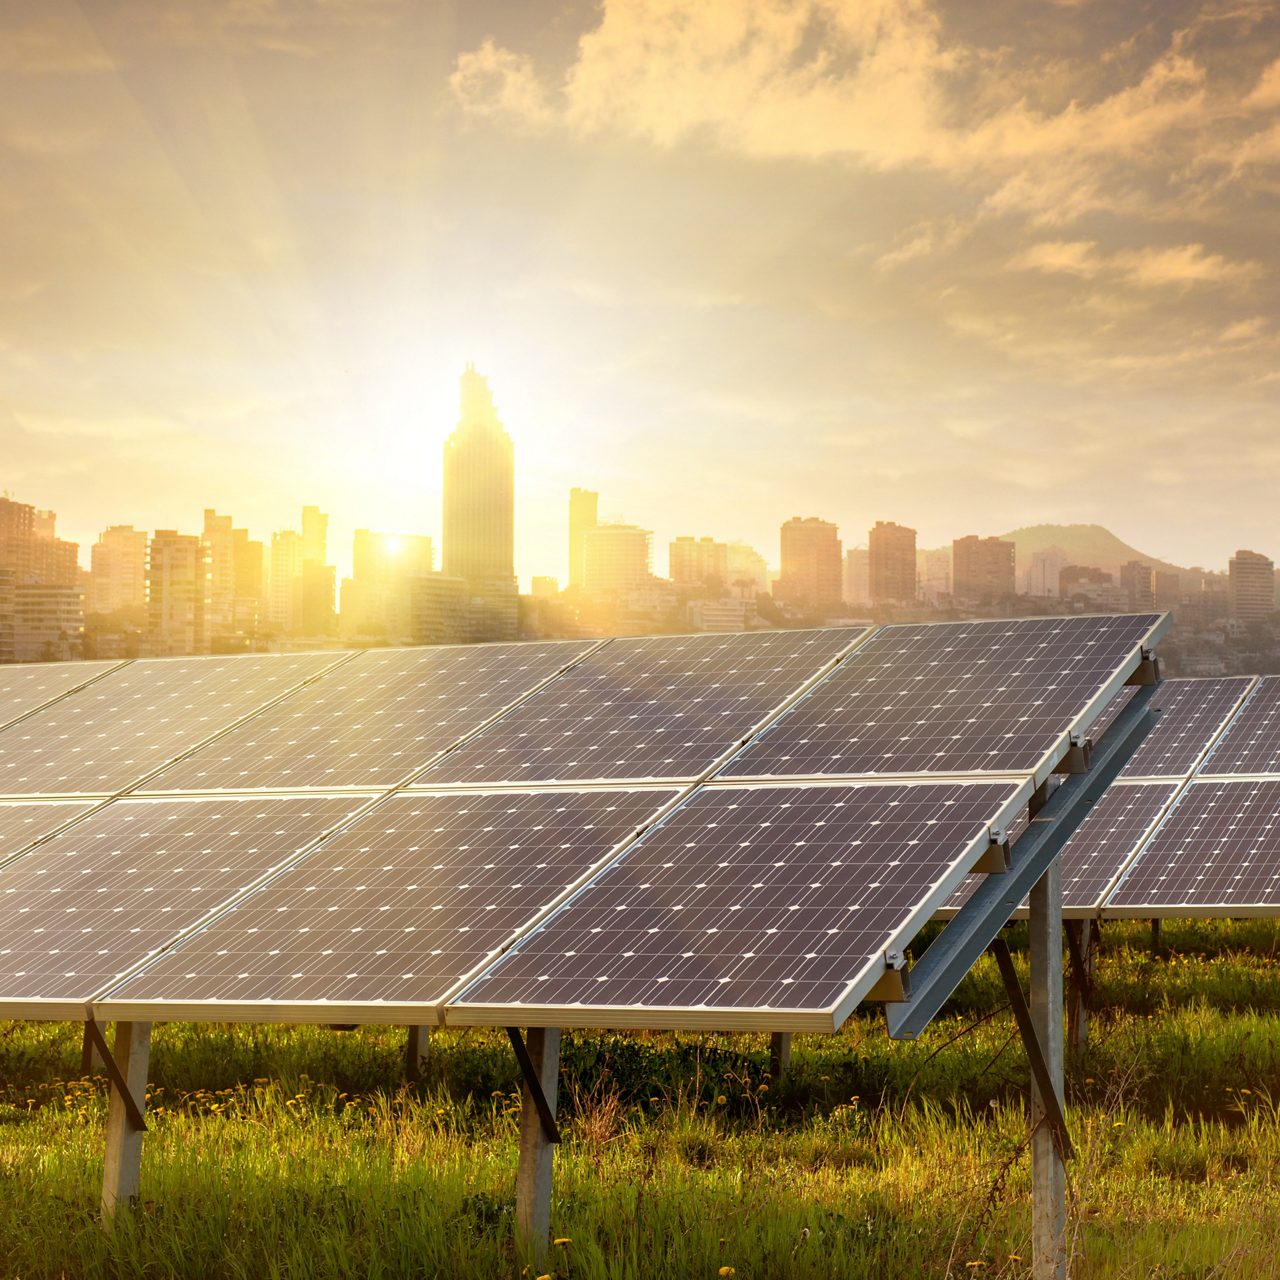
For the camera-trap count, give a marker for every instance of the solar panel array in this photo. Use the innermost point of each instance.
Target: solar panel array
(375, 833)
(25, 687)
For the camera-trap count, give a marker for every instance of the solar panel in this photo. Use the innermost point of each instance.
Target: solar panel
(79, 910)
(373, 721)
(113, 733)
(24, 824)
(397, 908)
(1217, 853)
(1251, 743)
(1193, 714)
(954, 698)
(25, 686)
(759, 907)
(652, 708)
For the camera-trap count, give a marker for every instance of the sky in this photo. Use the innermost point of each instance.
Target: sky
(967, 266)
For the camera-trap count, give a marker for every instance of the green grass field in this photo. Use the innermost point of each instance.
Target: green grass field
(299, 1152)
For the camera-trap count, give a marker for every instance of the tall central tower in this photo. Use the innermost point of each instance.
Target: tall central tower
(479, 491)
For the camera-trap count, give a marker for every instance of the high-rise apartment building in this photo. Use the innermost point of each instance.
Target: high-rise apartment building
(584, 514)
(812, 566)
(301, 590)
(857, 577)
(746, 569)
(892, 551)
(118, 570)
(377, 600)
(284, 603)
(1251, 586)
(1137, 582)
(176, 582)
(695, 562)
(8, 583)
(933, 575)
(29, 546)
(1041, 577)
(617, 559)
(983, 570)
(48, 622)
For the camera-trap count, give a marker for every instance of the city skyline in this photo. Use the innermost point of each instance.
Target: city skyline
(228, 288)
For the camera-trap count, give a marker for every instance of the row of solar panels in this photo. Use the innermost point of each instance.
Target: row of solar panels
(1192, 825)
(955, 699)
(750, 899)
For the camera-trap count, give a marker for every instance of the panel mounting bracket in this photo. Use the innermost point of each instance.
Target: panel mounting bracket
(975, 925)
(1147, 671)
(1078, 757)
(530, 1073)
(109, 1064)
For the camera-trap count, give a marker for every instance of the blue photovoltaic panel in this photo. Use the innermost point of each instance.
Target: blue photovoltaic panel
(110, 735)
(1251, 743)
(652, 708)
(401, 905)
(1193, 713)
(1217, 853)
(373, 721)
(950, 698)
(25, 686)
(745, 900)
(79, 910)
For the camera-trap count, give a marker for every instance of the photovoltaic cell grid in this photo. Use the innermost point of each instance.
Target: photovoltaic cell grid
(992, 697)
(24, 824)
(1251, 743)
(25, 686)
(1193, 713)
(403, 904)
(747, 900)
(79, 910)
(1217, 853)
(372, 722)
(110, 735)
(653, 708)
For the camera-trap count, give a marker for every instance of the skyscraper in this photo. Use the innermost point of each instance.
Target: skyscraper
(983, 569)
(479, 490)
(118, 577)
(1251, 586)
(584, 514)
(479, 512)
(812, 565)
(176, 584)
(892, 549)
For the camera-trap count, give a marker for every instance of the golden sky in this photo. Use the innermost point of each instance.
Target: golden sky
(964, 266)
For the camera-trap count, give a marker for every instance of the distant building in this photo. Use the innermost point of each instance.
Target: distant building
(892, 553)
(284, 593)
(983, 570)
(48, 622)
(857, 577)
(479, 511)
(695, 562)
(1090, 587)
(1168, 590)
(745, 569)
(1137, 582)
(1043, 573)
(8, 580)
(29, 547)
(544, 588)
(315, 535)
(933, 575)
(301, 587)
(377, 600)
(1251, 589)
(727, 614)
(812, 566)
(440, 610)
(617, 559)
(584, 514)
(118, 570)
(176, 622)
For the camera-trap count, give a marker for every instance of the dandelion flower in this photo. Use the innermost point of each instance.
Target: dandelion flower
(563, 1240)
(721, 1099)
(726, 1271)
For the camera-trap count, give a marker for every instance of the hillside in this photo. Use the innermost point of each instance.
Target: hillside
(1081, 544)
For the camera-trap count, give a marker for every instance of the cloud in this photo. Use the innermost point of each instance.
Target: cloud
(1185, 264)
(1072, 257)
(490, 81)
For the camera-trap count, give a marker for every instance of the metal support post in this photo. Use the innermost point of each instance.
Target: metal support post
(417, 1048)
(1157, 937)
(89, 1055)
(1082, 950)
(779, 1055)
(1048, 1151)
(127, 1068)
(540, 1065)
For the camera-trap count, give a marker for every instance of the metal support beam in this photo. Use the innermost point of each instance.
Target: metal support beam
(973, 928)
(1157, 937)
(540, 1066)
(127, 1068)
(89, 1055)
(779, 1055)
(416, 1050)
(1050, 1141)
(1082, 950)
